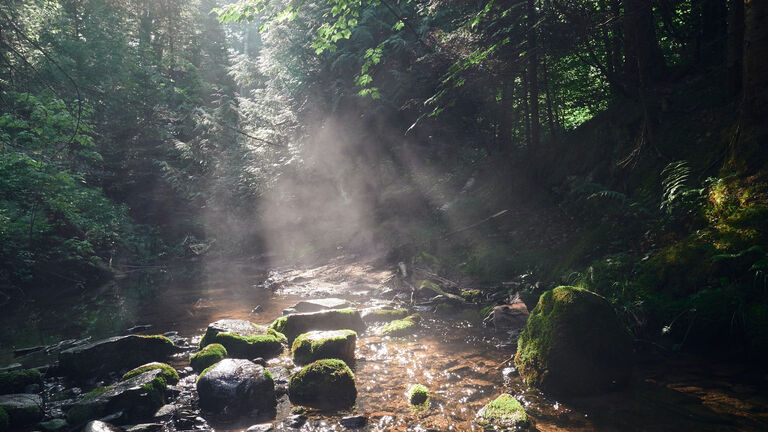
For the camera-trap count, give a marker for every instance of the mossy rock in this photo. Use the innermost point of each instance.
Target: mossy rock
(383, 315)
(244, 339)
(505, 413)
(472, 296)
(166, 371)
(22, 409)
(336, 319)
(324, 384)
(17, 381)
(4, 420)
(574, 344)
(53, 425)
(324, 344)
(114, 354)
(208, 356)
(418, 394)
(401, 327)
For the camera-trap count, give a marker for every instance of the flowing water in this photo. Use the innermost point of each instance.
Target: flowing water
(463, 364)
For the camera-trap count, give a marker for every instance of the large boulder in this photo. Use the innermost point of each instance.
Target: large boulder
(114, 354)
(315, 305)
(503, 414)
(574, 344)
(324, 344)
(244, 339)
(17, 381)
(138, 398)
(324, 384)
(22, 409)
(208, 356)
(338, 319)
(236, 386)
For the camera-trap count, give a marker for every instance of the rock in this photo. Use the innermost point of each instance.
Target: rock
(574, 344)
(209, 355)
(100, 426)
(418, 394)
(428, 289)
(22, 409)
(53, 425)
(165, 412)
(324, 344)
(383, 315)
(145, 427)
(296, 421)
(504, 413)
(16, 381)
(138, 398)
(338, 319)
(316, 305)
(472, 296)
(236, 386)
(354, 422)
(401, 327)
(327, 383)
(113, 354)
(261, 428)
(244, 339)
(509, 316)
(166, 371)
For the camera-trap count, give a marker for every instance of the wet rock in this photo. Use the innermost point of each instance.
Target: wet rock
(401, 327)
(166, 412)
(574, 344)
(316, 305)
(508, 316)
(338, 319)
(138, 398)
(383, 315)
(17, 381)
(236, 386)
(327, 383)
(100, 426)
(316, 345)
(208, 356)
(261, 428)
(503, 414)
(22, 409)
(113, 354)
(354, 422)
(244, 339)
(53, 425)
(168, 373)
(296, 421)
(144, 427)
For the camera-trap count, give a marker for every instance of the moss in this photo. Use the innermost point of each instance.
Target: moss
(278, 325)
(205, 371)
(4, 421)
(418, 394)
(159, 338)
(16, 381)
(268, 344)
(323, 384)
(385, 315)
(167, 372)
(503, 413)
(209, 355)
(473, 295)
(156, 390)
(339, 344)
(268, 374)
(93, 394)
(401, 327)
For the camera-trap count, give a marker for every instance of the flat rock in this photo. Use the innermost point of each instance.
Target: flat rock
(315, 305)
(323, 344)
(336, 319)
(100, 426)
(114, 354)
(236, 386)
(244, 339)
(23, 409)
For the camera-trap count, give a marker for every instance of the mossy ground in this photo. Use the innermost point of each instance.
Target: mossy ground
(505, 413)
(323, 384)
(338, 344)
(208, 356)
(418, 394)
(16, 381)
(167, 372)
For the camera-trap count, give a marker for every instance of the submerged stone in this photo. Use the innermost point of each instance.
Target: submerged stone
(138, 398)
(337, 319)
(324, 384)
(113, 354)
(209, 355)
(244, 339)
(236, 386)
(17, 381)
(22, 409)
(324, 344)
(574, 344)
(505, 413)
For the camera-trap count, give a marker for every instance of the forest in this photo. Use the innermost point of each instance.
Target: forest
(405, 215)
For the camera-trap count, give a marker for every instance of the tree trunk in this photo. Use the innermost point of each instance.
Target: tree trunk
(755, 79)
(533, 80)
(735, 52)
(644, 61)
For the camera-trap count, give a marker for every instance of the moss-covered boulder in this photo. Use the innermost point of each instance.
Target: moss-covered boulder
(208, 356)
(17, 381)
(237, 386)
(418, 394)
(138, 397)
(114, 354)
(371, 316)
(401, 327)
(338, 319)
(244, 339)
(166, 371)
(324, 384)
(22, 409)
(505, 413)
(574, 344)
(324, 344)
